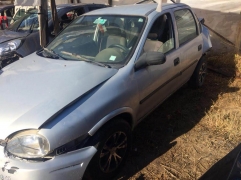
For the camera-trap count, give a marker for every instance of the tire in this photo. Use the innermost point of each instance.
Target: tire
(198, 77)
(113, 143)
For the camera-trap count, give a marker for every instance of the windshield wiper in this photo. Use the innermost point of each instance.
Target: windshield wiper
(97, 63)
(53, 53)
(83, 58)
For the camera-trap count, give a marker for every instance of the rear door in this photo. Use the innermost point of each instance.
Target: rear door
(190, 42)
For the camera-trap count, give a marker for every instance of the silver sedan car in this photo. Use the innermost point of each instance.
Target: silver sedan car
(68, 110)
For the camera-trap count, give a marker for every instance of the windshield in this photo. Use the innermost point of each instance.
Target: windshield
(20, 13)
(103, 39)
(27, 22)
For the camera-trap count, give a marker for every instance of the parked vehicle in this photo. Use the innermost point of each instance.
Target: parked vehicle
(20, 11)
(7, 12)
(68, 110)
(21, 38)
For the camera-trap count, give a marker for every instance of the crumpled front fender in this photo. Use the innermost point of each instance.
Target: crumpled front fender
(207, 44)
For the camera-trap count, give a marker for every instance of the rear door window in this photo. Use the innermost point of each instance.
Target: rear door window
(186, 25)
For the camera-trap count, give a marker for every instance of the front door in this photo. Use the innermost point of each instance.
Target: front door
(158, 82)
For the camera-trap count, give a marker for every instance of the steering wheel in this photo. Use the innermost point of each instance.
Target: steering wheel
(125, 49)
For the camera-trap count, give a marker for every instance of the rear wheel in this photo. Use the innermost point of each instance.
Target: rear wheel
(199, 75)
(113, 142)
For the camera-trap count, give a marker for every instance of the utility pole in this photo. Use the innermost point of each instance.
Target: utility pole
(43, 23)
(54, 17)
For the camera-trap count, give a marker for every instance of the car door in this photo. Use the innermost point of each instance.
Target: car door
(189, 41)
(157, 82)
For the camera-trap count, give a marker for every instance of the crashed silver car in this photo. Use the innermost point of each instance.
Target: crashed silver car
(68, 110)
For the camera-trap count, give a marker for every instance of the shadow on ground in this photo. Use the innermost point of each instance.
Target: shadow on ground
(156, 134)
(222, 168)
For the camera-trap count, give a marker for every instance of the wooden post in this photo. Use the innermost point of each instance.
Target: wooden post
(159, 6)
(238, 39)
(110, 2)
(55, 17)
(43, 23)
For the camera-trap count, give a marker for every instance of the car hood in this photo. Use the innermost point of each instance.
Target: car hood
(34, 89)
(7, 35)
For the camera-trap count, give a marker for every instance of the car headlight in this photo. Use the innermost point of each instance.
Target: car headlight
(9, 46)
(28, 144)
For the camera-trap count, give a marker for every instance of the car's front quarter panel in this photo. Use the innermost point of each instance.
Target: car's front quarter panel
(118, 92)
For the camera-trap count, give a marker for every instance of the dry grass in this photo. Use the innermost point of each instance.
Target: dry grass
(191, 134)
(238, 64)
(225, 113)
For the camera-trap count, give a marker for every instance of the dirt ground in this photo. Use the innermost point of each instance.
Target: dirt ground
(195, 133)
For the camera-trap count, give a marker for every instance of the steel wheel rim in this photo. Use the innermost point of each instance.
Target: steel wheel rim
(202, 73)
(113, 152)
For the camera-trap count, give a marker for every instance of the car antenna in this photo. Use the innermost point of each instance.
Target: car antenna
(173, 1)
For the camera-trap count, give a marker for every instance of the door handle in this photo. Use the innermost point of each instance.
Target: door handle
(200, 47)
(176, 61)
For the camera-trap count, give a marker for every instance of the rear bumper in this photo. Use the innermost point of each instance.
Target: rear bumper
(67, 166)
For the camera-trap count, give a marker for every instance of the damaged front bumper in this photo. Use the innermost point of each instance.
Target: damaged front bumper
(71, 165)
(8, 59)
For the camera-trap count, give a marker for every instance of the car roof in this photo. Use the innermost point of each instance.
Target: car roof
(6, 6)
(135, 9)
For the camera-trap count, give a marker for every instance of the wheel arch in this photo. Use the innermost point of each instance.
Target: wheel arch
(125, 113)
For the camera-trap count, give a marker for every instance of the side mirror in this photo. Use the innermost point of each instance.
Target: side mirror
(149, 59)
(201, 20)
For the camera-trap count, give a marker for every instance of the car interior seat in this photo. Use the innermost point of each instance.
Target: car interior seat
(156, 36)
(133, 29)
(113, 35)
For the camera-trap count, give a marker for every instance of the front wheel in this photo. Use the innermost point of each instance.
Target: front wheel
(199, 74)
(113, 142)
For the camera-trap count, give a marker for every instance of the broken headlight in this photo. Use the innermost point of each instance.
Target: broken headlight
(10, 46)
(28, 144)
